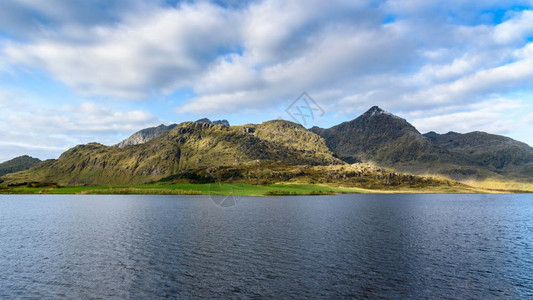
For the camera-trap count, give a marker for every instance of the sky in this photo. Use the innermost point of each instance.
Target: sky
(73, 72)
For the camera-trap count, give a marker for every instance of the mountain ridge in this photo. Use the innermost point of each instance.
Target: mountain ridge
(206, 149)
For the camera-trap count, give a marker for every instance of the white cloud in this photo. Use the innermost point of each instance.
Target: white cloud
(465, 122)
(478, 85)
(495, 115)
(31, 146)
(276, 49)
(92, 117)
(4, 97)
(31, 19)
(516, 29)
(84, 118)
(46, 132)
(158, 51)
(357, 54)
(528, 119)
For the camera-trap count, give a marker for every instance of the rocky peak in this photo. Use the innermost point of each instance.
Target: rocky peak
(217, 122)
(377, 111)
(204, 120)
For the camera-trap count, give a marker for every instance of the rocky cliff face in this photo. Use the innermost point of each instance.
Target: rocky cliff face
(217, 122)
(145, 135)
(148, 134)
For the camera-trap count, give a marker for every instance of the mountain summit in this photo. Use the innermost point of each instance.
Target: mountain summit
(217, 122)
(376, 111)
(375, 135)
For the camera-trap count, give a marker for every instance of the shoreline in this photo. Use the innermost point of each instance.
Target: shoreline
(243, 189)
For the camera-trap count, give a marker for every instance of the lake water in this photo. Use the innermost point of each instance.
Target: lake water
(344, 246)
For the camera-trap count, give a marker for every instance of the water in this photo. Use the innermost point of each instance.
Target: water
(345, 246)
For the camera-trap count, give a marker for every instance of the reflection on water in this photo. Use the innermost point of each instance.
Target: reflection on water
(389, 246)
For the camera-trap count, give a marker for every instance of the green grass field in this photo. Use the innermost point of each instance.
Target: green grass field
(278, 189)
(189, 189)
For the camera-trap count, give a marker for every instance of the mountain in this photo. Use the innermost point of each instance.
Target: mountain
(498, 154)
(18, 164)
(378, 136)
(188, 149)
(391, 141)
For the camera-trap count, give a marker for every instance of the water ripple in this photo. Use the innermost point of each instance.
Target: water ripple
(346, 246)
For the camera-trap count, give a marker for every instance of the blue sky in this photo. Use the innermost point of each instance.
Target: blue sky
(74, 72)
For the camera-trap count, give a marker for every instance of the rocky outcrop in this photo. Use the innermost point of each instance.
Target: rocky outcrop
(217, 122)
(145, 135)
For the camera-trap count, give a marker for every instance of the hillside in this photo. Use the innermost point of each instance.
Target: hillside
(187, 147)
(495, 153)
(17, 164)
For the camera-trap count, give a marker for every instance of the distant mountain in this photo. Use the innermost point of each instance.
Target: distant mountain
(17, 164)
(495, 153)
(391, 141)
(188, 147)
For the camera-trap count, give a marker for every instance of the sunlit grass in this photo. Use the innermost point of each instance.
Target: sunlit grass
(504, 185)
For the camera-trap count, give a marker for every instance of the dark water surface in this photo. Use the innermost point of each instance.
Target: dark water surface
(345, 246)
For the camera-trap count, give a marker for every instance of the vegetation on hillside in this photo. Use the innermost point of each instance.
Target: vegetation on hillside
(18, 164)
